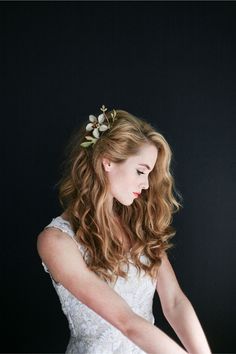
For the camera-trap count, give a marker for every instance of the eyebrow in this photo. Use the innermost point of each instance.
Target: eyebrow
(143, 164)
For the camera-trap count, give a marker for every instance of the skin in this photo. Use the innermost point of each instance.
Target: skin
(131, 175)
(67, 266)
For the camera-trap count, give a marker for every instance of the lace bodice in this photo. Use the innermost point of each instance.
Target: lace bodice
(90, 333)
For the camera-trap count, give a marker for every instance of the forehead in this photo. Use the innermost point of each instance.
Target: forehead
(147, 155)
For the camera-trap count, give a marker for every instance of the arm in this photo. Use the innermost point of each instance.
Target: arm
(67, 267)
(179, 311)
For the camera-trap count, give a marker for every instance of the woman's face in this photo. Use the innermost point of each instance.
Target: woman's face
(131, 176)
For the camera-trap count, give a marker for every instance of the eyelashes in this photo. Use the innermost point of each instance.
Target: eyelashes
(140, 172)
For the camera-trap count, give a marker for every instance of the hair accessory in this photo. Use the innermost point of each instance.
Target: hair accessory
(98, 125)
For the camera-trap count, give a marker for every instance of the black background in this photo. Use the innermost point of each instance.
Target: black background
(172, 63)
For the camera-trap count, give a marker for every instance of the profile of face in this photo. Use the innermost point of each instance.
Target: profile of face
(127, 179)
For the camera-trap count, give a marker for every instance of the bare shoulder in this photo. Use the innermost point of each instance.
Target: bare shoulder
(54, 241)
(51, 238)
(60, 253)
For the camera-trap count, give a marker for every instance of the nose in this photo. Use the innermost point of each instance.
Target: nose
(145, 184)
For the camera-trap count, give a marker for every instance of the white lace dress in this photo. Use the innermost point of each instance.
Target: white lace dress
(90, 333)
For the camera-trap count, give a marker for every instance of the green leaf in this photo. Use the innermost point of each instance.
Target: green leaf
(86, 144)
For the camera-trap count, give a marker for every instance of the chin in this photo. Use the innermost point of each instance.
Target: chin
(125, 202)
(128, 204)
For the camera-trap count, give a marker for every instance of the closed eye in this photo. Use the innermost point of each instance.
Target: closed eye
(140, 172)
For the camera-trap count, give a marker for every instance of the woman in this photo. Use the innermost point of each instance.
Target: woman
(106, 254)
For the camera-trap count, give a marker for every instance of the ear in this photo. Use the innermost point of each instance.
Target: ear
(106, 164)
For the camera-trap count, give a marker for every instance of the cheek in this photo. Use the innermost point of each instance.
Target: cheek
(122, 182)
(116, 180)
(128, 182)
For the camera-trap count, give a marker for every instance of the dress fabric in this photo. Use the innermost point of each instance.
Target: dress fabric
(90, 333)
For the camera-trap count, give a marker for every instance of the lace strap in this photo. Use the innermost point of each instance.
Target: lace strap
(61, 224)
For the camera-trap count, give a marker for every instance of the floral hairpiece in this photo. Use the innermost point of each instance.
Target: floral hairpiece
(98, 125)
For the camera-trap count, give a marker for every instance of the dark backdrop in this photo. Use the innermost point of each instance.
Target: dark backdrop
(172, 63)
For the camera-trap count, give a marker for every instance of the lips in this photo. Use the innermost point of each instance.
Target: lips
(136, 194)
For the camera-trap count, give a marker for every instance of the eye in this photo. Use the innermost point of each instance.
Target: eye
(140, 172)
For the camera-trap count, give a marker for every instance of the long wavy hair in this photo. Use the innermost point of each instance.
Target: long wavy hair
(83, 193)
